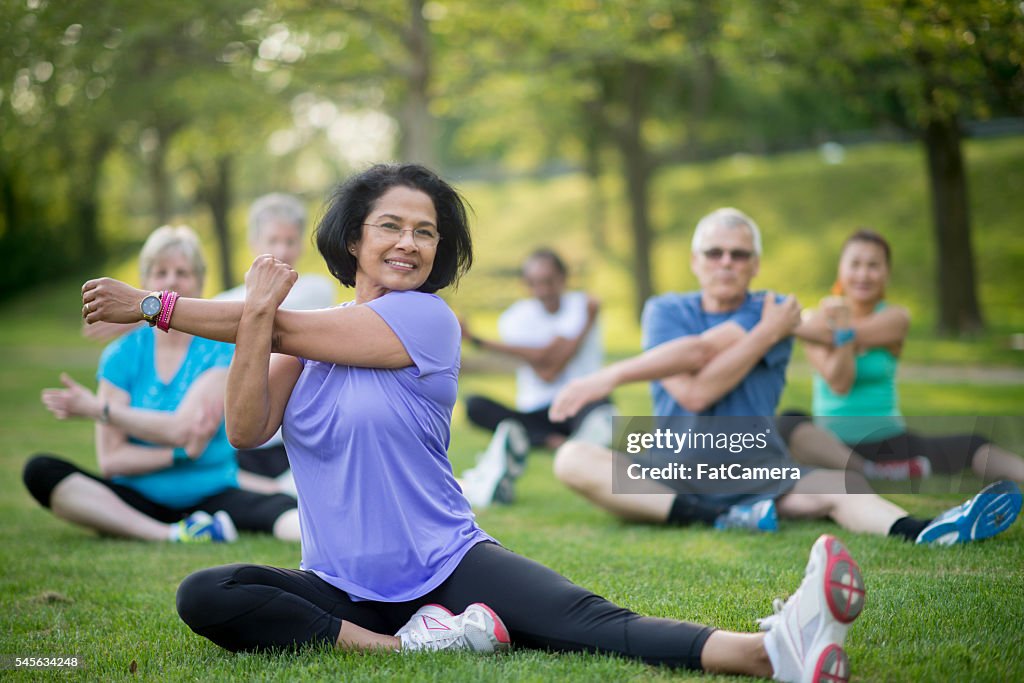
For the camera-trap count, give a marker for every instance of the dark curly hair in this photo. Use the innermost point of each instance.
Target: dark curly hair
(350, 204)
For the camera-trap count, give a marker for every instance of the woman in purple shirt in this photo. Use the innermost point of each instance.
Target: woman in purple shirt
(389, 544)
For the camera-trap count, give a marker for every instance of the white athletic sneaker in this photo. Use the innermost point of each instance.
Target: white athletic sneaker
(805, 634)
(492, 480)
(433, 627)
(427, 617)
(597, 427)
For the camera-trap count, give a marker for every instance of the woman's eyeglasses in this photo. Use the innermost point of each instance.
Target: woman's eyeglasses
(422, 236)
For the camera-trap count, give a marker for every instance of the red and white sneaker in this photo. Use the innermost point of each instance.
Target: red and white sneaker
(434, 627)
(806, 633)
(918, 467)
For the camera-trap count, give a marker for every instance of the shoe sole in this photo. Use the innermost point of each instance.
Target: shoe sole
(769, 523)
(844, 586)
(500, 632)
(516, 446)
(832, 666)
(990, 512)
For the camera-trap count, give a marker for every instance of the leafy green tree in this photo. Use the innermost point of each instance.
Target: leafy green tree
(926, 66)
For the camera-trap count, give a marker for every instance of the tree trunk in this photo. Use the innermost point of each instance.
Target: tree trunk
(86, 200)
(9, 203)
(158, 183)
(637, 168)
(218, 198)
(597, 207)
(417, 139)
(959, 311)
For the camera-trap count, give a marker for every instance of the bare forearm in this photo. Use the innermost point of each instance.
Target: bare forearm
(685, 354)
(562, 350)
(130, 459)
(247, 396)
(727, 369)
(885, 328)
(814, 330)
(155, 426)
(531, 354)
(841, 369)
(837, 366)
(217, 320)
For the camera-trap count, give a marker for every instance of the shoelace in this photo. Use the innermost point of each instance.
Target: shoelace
(435, 642)
(768, 622)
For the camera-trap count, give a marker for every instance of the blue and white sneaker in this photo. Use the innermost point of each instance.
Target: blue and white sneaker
(761, 516)
(991, 511)
(200, 527)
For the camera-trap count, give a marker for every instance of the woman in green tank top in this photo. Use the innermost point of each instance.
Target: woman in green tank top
(855, 396)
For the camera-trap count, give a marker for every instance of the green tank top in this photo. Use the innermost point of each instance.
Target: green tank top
(872, 399)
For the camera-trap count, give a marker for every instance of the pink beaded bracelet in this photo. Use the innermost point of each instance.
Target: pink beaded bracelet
(168, 299)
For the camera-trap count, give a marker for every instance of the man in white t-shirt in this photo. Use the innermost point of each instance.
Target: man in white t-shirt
(555, 335)
(277, 224)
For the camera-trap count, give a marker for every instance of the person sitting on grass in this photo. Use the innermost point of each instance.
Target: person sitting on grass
(167, 471)
(855, 394)
(555, 337)
(390, 546)
(721, 352)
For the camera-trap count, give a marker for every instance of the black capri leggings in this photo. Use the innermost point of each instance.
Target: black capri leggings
(948, 454)
(487, 413)
(245, 607)
(250, 511)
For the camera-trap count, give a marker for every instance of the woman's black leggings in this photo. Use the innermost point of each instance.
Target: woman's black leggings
(251, 607)
(487, 413)
(948, 454)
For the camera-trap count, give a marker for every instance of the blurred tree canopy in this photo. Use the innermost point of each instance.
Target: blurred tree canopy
(202, 105)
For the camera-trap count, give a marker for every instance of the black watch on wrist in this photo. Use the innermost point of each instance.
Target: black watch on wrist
(151, 307)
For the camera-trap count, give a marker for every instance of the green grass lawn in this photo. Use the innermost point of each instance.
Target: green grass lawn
(932, 614)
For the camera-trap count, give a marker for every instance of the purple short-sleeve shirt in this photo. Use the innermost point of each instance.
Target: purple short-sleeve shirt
(381, 514)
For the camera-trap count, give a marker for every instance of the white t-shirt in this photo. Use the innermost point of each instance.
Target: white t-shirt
(528, 323)
(309, 293)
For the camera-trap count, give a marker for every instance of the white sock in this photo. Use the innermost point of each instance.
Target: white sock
(174, 532)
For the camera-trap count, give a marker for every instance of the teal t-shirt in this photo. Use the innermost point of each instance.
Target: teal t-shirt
(870, 411)
(130, 364)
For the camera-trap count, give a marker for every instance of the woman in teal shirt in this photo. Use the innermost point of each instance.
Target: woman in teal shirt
(855, 394)
(167, 469)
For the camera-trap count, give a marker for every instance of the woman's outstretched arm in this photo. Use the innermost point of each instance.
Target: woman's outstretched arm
(354, 335)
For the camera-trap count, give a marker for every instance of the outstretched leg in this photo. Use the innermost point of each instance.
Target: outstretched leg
(82, 499)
